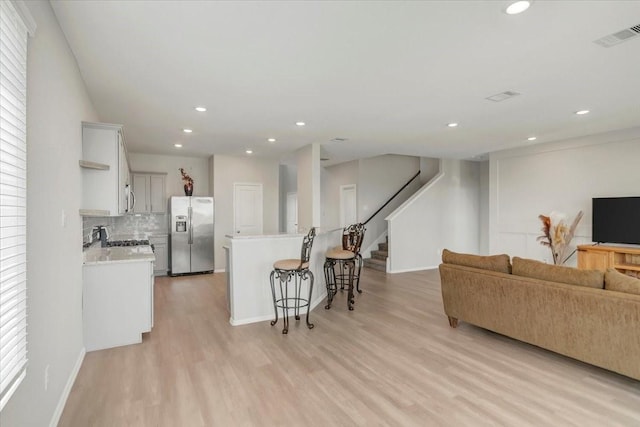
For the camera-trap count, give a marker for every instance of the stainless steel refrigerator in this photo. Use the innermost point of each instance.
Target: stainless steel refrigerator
(191, 234)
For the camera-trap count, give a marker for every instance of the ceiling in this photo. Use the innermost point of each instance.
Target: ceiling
(387, 76)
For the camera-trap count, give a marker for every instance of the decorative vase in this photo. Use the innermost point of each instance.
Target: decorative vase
(188, 189)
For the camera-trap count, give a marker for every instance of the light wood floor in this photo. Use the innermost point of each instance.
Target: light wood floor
(394, 361)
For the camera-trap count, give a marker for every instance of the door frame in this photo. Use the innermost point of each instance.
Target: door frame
(286, 222)
(343, 189)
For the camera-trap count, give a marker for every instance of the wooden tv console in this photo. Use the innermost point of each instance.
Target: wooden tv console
(600, 257)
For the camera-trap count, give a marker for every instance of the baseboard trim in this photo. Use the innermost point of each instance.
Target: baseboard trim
(409, 270)
(220, 270)
(55, 419)
(319, 299)
(234, 322)
(250, 320)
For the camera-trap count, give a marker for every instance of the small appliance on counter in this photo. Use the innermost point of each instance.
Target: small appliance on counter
(101, 232)
(191, 235)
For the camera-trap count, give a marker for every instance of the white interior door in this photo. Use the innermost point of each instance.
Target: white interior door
(292, 212)
(348, 205)
(247, 208)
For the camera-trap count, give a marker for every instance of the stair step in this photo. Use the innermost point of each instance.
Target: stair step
(382, 255)
(376, 264)
(383, 247)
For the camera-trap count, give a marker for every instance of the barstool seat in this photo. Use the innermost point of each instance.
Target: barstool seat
(293, 271)
(339, 254)
(290, 264)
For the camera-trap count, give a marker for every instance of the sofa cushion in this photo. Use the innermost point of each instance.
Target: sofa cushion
(616, 281)
(499, 263)
(557, 273)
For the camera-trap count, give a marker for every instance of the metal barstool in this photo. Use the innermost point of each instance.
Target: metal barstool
(348, 260)
(286, 270)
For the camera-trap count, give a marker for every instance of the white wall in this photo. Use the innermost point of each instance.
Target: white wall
(442, 214)
(484, 207)
(377, 179)
(309, 180)
(57, 103)
(429, 167)
(460, 206)
(563, 177)
(196, 167)
(333, 177)
(288, 184)
(380, 177)
(228, 170)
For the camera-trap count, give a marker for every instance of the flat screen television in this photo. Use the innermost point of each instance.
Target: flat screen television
(616, 220)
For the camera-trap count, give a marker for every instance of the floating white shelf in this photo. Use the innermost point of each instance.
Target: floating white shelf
(93, 165)
(93, 212)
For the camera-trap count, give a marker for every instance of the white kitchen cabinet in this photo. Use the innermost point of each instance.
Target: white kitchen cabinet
(105, 189)
(161, 250)
(117, 303)
(149, 189)
(141, 191)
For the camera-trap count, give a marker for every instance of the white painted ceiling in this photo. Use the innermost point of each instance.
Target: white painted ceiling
(388, 76)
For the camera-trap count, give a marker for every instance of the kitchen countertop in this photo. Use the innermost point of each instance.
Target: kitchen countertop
(262, 236)
(117, 254)
(319, 230)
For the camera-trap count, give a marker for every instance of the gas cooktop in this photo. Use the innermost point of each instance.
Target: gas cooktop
(128, 243)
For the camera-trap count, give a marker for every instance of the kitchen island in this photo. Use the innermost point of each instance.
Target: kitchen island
(117, 299)
(250, 262)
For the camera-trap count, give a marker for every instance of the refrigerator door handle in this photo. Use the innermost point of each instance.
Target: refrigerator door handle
(190, 226)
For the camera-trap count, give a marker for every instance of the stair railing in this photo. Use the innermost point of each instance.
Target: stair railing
(392, 197)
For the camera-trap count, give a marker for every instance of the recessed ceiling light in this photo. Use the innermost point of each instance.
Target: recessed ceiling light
(187, 130)
(271, 140)
(201, 109)
(517, 7)
(300, 123)
(531, 138)
(177, 145)
(582, 112)
(452, 125)
(249, 151)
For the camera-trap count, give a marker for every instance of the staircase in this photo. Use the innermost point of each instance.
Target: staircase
(378, 260)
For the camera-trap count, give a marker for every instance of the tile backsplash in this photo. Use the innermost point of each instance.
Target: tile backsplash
(128, 224)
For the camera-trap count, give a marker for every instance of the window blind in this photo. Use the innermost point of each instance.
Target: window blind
(13, 200)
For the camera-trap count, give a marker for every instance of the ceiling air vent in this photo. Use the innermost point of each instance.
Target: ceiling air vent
(502, 96)
(619, 37)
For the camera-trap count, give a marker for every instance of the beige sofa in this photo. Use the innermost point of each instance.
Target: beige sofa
(584, 314)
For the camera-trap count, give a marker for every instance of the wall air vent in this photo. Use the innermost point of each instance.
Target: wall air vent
(619, 37)
(502, 96)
